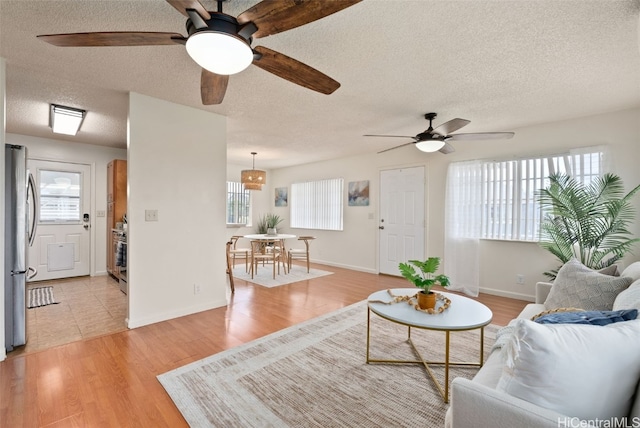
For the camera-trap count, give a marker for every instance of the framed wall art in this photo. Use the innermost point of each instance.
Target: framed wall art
(282, 196)
(359, 193)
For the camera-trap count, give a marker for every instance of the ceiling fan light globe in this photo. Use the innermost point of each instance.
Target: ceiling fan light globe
(430, 146)
(219, 52)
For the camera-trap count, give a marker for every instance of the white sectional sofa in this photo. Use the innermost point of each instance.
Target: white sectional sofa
(481, 402)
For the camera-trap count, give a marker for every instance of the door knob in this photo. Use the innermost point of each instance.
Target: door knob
(380, 227)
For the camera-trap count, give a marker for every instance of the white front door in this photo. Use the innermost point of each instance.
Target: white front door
(402, 221)
(61, 248)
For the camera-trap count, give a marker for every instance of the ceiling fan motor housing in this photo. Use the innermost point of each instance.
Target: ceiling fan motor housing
(220, 23)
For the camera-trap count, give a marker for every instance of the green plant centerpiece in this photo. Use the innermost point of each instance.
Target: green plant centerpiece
(268, 223)
(424, 277)
(587, 221)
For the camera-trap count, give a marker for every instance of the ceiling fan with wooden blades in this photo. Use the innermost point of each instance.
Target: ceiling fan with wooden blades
(221, 43)
(437, 139)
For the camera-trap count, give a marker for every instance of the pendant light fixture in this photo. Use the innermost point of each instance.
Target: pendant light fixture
(253, 179)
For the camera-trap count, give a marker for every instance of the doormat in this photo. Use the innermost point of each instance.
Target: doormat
(41, 296)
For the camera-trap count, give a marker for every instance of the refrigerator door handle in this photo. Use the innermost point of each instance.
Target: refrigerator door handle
(34, 223)
(31, 269)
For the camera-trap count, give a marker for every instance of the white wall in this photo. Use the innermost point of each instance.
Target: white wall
(357, 246)
(176, 165)
(96, 156)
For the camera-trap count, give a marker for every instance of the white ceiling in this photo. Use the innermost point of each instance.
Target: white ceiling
(500, 64)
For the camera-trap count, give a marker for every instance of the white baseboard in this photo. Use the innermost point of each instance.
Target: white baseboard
(164, 316)
(510, 294)
(350, 267)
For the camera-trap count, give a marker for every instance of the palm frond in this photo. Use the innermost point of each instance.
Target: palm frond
(589, 222)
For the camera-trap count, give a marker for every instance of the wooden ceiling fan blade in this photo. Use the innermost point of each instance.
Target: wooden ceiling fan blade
(212, 87)
(451, 126)
(182, 6)
(294, 71)
(274, 17)
(481, 136)
(113, 38)
(446, 149)
(397, 147)
(395, 136)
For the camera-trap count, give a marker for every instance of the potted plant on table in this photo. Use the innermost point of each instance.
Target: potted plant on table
(424, 278)
(268, 224)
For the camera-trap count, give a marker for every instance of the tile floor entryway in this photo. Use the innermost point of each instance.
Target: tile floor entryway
(88, 307)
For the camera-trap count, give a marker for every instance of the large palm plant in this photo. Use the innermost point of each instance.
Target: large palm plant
(589, 222)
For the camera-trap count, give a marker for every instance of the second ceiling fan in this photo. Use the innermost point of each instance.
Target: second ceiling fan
(221, 43)
(437, 139)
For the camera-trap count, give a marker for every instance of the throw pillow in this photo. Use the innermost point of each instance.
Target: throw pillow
(553, 311)
(629, 298)
(588, 317)
(632, 271)
(584, 371)
(610, 270)
(579, 286)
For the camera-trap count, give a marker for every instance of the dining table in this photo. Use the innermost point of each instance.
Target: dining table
(270, 239)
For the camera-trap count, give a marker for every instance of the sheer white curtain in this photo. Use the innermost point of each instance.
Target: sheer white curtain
(463, 223)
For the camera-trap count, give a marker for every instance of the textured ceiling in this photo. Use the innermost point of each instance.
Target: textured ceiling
(500, 64)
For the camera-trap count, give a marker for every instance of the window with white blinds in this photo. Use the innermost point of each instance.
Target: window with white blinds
(497, 199)
(238, 204)
(317, 204)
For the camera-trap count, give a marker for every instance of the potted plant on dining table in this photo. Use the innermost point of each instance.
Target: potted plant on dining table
(425, 277)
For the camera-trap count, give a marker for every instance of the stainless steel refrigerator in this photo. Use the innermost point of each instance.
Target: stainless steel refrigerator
(19, 232)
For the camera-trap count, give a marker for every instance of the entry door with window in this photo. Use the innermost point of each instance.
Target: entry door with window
(61, 248)
(402, 219)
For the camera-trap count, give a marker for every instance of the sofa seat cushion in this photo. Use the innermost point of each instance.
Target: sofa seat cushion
(490, 373)
(531, 310)
(584, 371)
(578, 286)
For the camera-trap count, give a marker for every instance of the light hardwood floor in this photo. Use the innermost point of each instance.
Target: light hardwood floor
(110, 380)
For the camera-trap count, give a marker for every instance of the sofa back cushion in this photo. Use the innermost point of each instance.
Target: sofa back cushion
(581, 287)
(584, 371)
(629, 298)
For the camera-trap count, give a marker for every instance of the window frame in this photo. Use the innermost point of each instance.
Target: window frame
(500, 195)
(232, 189)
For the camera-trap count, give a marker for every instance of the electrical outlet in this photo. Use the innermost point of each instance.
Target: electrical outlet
(520, 279)
(196, 288)
(150, 215)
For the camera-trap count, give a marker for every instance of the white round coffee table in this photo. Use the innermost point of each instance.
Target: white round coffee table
(463, 314)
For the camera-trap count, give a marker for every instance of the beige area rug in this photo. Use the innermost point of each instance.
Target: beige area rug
(264, 275)
(314, 375)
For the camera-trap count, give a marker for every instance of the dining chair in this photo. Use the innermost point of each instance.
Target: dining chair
(239, 251)
(258, 253)
(300, 253)
(230, 266)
